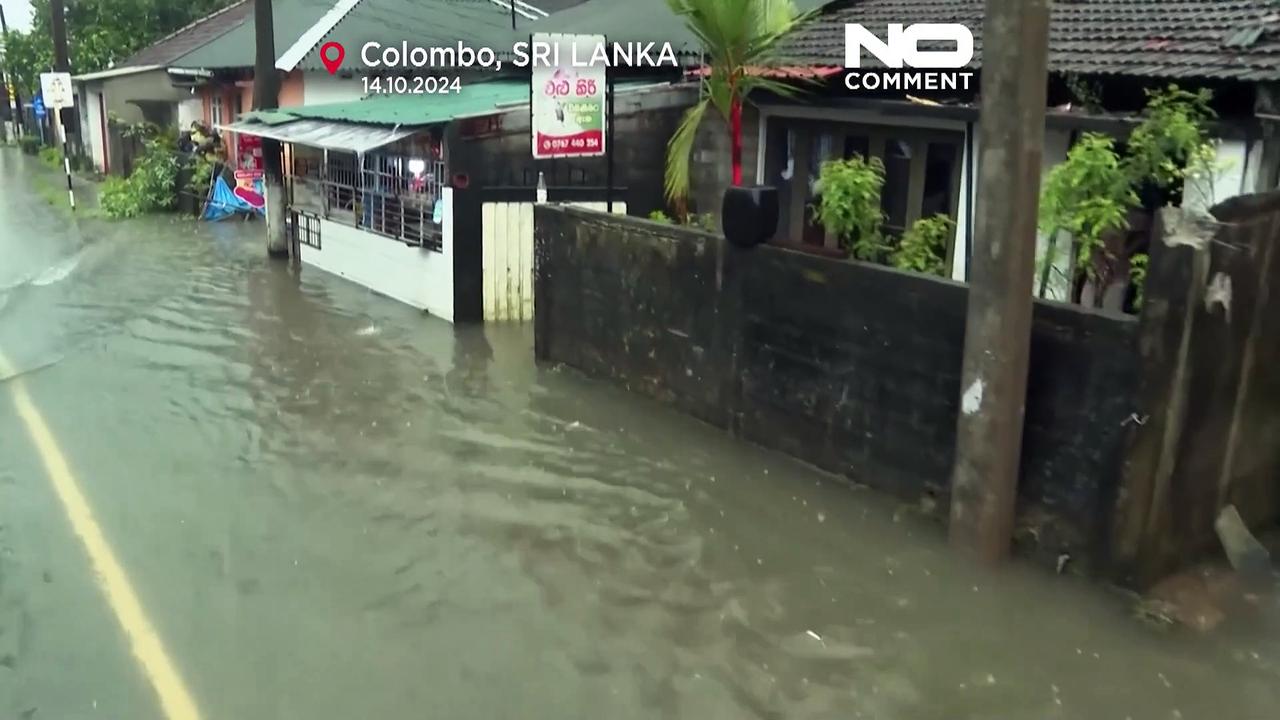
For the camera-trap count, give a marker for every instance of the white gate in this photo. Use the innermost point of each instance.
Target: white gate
(508, 257)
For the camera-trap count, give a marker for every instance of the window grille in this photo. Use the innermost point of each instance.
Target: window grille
(390, 195)
(399, 196)
(304, 228)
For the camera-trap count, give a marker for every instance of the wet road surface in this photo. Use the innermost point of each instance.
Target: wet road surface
(331, 506)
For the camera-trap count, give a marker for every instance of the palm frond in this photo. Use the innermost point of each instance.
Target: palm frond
(676, 178)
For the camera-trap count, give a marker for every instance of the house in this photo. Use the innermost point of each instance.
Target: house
(141, 88)
(379, 191)
(220, 74)
(1113, 49)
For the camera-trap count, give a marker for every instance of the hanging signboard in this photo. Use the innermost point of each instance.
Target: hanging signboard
(56, 89)
(567, 112)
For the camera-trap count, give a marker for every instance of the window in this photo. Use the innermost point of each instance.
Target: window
(399, 196)
(388, 194)
(215, 109)
(922, 171)
(304, 229)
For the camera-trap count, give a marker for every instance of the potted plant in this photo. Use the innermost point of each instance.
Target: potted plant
(738, 37)
(849, 205)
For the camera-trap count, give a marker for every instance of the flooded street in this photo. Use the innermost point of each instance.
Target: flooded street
(331, 506)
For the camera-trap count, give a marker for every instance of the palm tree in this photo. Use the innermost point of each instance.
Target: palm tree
(738, 38)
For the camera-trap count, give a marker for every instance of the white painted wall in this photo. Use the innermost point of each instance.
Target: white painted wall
(93, 126)
(190, 111)
(1234, 172)
(320, 87)
(1056, 144)
(414, 276)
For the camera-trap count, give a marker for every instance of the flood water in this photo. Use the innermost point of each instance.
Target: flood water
(331, 506)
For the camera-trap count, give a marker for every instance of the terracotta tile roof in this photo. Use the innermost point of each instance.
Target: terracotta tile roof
(1230, 39)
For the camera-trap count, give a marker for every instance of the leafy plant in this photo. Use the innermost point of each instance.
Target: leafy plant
(202, 168)
(704, 221)
(1087, 195)
(849, 206)
(923, 247)
(151, 187)
(30, 145)
(1138, 277)
(736, 36)
(1173, 132)
(52, 157)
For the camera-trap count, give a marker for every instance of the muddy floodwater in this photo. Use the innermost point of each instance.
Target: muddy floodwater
(330, 506)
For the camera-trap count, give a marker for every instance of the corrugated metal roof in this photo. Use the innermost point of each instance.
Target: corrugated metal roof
(349, 137)
(425, 23)
(1228, 39)
(473, 99)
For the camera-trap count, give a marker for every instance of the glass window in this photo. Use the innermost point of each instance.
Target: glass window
(897, 179)
(941, 166)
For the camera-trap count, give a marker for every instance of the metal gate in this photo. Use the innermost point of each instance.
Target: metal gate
(507, 248)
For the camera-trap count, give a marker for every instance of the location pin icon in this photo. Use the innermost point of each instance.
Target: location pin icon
(331, 54)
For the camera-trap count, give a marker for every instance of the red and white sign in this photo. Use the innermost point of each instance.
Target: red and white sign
(249, 188)
(567, 115)
(248, 151)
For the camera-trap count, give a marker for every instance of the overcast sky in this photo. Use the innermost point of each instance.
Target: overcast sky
(17, 13)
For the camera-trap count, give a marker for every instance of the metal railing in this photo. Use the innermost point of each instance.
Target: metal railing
(390, 195)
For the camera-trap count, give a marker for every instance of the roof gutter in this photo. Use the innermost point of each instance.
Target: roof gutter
(116, 72)
(191, 72)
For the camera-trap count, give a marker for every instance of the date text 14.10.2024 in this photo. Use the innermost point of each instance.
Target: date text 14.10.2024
(416, 85)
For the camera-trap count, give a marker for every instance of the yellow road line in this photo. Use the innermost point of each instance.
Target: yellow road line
(143, 638)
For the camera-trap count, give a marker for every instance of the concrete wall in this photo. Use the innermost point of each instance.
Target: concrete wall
(645, 121)
(852, 367)
(414, 276)
(1210, 395)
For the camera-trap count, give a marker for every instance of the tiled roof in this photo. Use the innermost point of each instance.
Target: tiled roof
(182, 41)
(1230, 39)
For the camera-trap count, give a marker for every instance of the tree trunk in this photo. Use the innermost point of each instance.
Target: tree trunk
(735, 130)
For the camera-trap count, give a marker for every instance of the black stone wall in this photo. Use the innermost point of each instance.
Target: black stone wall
(852, 367)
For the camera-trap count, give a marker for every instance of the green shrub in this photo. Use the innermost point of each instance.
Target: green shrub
(201, 176)
(850, 204)
(117, 198)
(151, 187)
(30, 145)
(51, 157)
(924, 245)
(659, 216)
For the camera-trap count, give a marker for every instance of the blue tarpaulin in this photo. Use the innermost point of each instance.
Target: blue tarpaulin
(223, 202)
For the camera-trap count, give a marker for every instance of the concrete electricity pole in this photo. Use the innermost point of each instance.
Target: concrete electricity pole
(984, 479)
(266, 96)
(14, 100)
(61, 61)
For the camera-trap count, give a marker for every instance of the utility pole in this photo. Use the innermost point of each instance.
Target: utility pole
(11, 83)
(61, 63)
(266, 96)
(984, 479)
